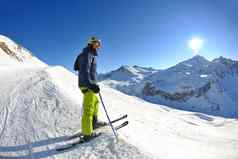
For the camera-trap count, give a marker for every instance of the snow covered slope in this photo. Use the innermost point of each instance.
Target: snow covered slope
(195, 84)
(39, 107)
(13, 53)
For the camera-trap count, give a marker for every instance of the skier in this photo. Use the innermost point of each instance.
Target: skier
(86, 64)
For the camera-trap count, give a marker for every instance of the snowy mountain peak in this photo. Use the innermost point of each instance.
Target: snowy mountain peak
(13, 53)
(135, 69)
(5, 39)
(127, 68)
(199, 57)
(12, 49)
(127, 73)
(185, 85)
(196, 61)
(146, 69)
(225, 61)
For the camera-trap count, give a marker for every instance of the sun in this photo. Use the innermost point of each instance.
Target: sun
(196, 45)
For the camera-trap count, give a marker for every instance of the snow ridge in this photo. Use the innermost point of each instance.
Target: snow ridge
(13, 53)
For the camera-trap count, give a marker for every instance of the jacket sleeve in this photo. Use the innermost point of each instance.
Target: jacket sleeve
(76, 63)
(85, 67)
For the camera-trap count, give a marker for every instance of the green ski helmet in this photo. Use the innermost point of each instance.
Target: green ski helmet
(94, 40)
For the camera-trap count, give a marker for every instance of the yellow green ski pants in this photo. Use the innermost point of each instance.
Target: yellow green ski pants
(90, 109)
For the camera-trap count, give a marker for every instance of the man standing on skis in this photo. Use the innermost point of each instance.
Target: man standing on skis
(86, 65)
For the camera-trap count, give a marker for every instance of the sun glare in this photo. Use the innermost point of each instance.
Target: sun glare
(196, 44)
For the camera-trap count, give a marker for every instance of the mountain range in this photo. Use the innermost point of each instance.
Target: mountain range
(196, 84)
(41, 105)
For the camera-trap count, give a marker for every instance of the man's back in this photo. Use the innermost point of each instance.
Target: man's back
(86, 64)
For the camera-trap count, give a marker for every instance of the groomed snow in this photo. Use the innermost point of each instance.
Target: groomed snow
(39, 105)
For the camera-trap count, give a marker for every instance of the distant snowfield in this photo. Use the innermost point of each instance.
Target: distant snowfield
(40, 106)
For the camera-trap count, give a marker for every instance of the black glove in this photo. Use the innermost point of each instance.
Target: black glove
(95, 88)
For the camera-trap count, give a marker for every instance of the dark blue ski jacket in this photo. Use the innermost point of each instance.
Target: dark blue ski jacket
(86, 65)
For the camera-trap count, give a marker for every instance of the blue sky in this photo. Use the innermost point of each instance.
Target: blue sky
(151, 33)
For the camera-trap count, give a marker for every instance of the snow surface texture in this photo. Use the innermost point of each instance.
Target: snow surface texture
(40, 106)
(195, 85)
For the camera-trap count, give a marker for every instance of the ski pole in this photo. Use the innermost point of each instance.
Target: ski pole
(113, 129)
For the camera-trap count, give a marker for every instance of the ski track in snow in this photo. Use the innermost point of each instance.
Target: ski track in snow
(43, 107)
(5, 116)
(23, 100)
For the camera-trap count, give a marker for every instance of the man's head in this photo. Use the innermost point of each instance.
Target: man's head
(94, 42)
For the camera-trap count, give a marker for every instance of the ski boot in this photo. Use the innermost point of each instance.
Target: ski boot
(87, 138)
(98, 124)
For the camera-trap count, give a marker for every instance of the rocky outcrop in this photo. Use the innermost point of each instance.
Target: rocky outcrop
(150, 90)
(5, 48)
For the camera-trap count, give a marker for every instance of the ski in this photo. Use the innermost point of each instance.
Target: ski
(113, 121)
(118, 119)
(69, 146)
(75, 136)
(63, 148)
(122, 125)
